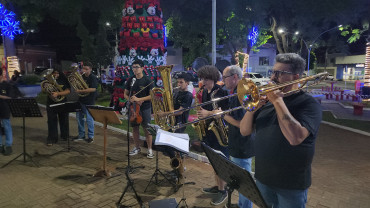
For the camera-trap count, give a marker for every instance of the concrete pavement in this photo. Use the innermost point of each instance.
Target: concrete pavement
(340, 172)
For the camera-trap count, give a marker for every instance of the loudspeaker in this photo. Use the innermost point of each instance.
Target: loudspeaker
(163, 203)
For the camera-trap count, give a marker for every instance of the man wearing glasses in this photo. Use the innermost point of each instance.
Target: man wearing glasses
(141, 85)
(285, 132)
(241, 148)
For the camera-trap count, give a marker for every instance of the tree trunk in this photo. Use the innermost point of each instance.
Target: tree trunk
(277, 40)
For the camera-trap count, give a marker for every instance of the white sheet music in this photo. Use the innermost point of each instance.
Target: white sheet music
(175, 140)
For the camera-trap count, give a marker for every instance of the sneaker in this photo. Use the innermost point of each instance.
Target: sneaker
(232, 206)
(135, 151)
(77, 139)
(150, 154)
(90, 140)
(212, 190)
(220, 198)
(8, 150)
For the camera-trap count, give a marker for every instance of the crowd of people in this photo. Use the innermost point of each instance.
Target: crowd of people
(280, 133)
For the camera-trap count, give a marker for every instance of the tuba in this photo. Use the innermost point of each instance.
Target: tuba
(50, 85)
(218, 126)
(77, 82)
(162, 98)
(199, 127)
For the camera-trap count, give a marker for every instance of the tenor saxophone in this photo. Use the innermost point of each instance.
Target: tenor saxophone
(218, 126)
(199, 127)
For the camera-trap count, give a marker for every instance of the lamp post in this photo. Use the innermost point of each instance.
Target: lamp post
(309, 47)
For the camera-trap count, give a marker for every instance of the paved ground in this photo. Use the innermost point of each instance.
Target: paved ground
(340, 172)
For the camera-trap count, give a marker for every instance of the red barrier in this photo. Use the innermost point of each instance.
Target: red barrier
(358, 109)
(337, 97)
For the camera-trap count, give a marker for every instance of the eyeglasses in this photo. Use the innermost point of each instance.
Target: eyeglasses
(136, 67)
(277, 73)
(224, 77)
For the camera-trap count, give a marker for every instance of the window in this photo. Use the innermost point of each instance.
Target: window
(264, 61)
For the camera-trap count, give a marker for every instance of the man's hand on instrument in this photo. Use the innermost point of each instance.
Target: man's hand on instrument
(55, 94)
(202, 113)
(134, 99)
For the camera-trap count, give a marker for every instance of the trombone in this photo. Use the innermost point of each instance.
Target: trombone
(249, 95)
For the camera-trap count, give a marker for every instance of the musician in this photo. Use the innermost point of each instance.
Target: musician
(92, 83)
(285, 132)
(241, 148)
(53, 117)
(134, 84)
(6, 92)
(182, 99)
(209, 75)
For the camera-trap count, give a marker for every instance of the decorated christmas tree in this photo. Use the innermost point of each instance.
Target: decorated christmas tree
(141, 37)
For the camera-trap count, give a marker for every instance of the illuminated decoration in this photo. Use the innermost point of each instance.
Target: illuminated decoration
(9, 27)
(165, 35)
(245, 60)
(253, 35)
(366, 87)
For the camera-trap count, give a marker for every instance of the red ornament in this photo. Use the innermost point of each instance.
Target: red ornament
(149, 19)
(151, 25)
(158, 26)
(133, 19)
(142, 19)
(155, 35)
(136, 34)
(129, 25)
(127, 33)
(144, 25)
(136, 25)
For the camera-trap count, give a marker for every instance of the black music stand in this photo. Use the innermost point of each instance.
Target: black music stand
(153, 130)
(235, 177)
(24, 107)
(67, 107)
(104, 115)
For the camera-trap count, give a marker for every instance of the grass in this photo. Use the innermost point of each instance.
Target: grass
(104, 100)
(356, 124)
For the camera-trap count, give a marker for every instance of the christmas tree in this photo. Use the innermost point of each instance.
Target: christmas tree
(141, 37)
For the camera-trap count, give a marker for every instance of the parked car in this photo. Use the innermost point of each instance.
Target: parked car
(39, 69)
(258, 79)
(330, 77)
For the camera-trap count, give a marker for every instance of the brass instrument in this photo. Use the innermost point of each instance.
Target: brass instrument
(77, 82)
(176, 164)
(199, 127)
(218, 125)
(249, 96)
(162, 99)
(50, 85)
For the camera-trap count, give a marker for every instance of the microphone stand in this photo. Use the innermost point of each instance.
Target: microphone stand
(129, 168)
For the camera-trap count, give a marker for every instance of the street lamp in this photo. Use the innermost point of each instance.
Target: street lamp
(309, 47)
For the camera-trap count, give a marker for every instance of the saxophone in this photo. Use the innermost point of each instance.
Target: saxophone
(218, 126)
(199, 127)
(176, 164)
(50, 85)
(77, 82)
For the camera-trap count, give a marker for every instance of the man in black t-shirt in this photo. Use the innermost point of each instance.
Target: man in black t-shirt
(53, 117)
(285, 132)
(138, 87)
(92, 84)
(210, 75)
(241, 148)
(6, 92)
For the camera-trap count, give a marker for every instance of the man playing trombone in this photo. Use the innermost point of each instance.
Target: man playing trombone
(285, 131)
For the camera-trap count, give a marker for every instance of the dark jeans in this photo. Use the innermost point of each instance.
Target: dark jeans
(53, 119)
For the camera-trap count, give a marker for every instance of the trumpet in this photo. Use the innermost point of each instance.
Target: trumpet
(249, 96)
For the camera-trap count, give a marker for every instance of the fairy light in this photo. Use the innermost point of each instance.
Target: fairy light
(366, 87)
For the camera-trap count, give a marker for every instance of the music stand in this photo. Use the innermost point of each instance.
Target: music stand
(153, 131)
(24, 107)
(235, 177)
(67, 107)
(104, 115)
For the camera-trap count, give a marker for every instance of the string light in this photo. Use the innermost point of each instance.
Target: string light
(253, 35)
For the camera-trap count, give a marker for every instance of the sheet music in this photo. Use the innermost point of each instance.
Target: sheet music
(175, 140)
